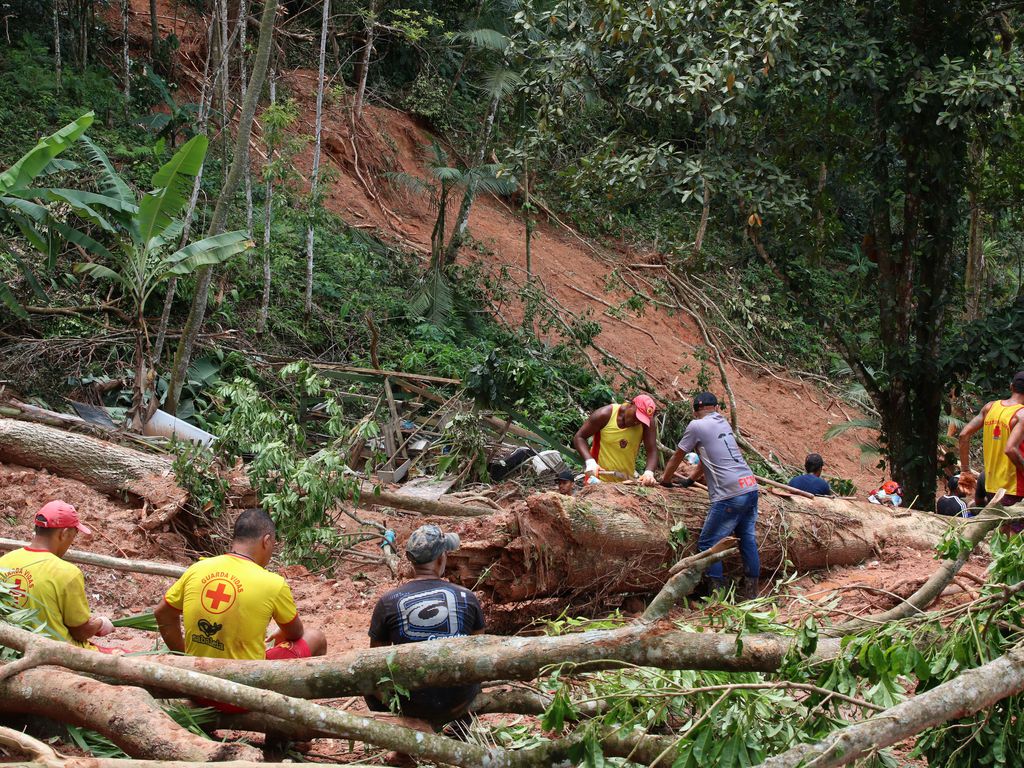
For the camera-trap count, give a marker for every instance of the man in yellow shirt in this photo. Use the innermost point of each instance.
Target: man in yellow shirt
(227, 603)
(618, 430)
(52, 587)
(1001, 423)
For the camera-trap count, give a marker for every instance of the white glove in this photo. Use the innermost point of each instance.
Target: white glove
(592, 467)
(647, 478)
(106, 627)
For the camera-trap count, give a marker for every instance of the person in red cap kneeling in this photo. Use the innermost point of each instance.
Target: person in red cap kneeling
(52, 587)
(618, 430)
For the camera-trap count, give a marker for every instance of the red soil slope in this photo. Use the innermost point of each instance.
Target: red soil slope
(778, 413)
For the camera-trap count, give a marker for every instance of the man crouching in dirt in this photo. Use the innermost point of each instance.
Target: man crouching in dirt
(731, 486)
(53, 588)
(427, 607)
(228, 602)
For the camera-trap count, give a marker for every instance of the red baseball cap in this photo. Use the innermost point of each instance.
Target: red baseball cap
(645, 408)
(60, 514)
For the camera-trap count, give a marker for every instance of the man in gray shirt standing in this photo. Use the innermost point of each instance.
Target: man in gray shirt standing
(731, 486)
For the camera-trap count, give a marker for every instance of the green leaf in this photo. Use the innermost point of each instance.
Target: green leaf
(111, 183)
(172, 185)
(487, 39)
(80, 239)
(8, 298)
(20, 175)
(85, 204)
(211, 250)
(30, 277)
(101, 272)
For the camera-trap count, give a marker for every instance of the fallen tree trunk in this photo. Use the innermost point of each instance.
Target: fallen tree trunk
(128, 716)
(435, 508)
(638, 747)
(619, 539)
(102, 465)
(104, 561)
(962, 696)
(485, 658)
(43, 651)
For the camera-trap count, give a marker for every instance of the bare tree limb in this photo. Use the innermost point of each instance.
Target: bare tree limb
(962, 696)
(977, 529)
(104, 561)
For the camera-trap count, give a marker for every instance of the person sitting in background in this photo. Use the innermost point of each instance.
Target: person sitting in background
(566, 483)
(890, 494)
(811, 481)
(52, 587)
(227, 603)
(953, 504)
(427, 607)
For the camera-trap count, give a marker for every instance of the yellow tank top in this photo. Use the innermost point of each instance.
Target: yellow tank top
(1000, 472)
(615, 448)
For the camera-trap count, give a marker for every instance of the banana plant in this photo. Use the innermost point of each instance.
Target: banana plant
(20, 206)
(145, 253)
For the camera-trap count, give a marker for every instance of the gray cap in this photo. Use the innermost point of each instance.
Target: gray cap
(428, 542)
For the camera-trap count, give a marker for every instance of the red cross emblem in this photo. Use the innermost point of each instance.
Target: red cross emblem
(20, 595)
(218, 596)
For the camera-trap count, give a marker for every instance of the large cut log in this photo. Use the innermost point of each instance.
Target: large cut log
(619, 539)
(128, 716)
(105, 466)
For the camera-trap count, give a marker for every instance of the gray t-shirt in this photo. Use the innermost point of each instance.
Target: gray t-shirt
(726, 472)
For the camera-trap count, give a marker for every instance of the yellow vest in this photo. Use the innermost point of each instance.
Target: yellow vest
(615, 448)
(1000, 472)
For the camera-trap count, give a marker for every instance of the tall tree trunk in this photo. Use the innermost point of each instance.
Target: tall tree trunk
(528, 219)
(186, 345)
(914, 279)
(125, 9)
(268, 214)
(364, 61)
(705, 213)
(243, 17)
(462, 219)
(205, 104)
(974, 276)
(314, 201)
(154, 30)
(225, 85)
(57, 63)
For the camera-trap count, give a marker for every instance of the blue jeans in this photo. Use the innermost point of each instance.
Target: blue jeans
(738, 515)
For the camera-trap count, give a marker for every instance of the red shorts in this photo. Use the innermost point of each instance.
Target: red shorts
(282, 651)
(287, 649)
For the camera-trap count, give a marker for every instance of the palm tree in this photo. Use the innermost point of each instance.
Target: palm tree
(146, 233)
(489, 36)
(433, 297)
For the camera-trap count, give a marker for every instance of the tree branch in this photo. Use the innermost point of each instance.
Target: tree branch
(971, 692)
